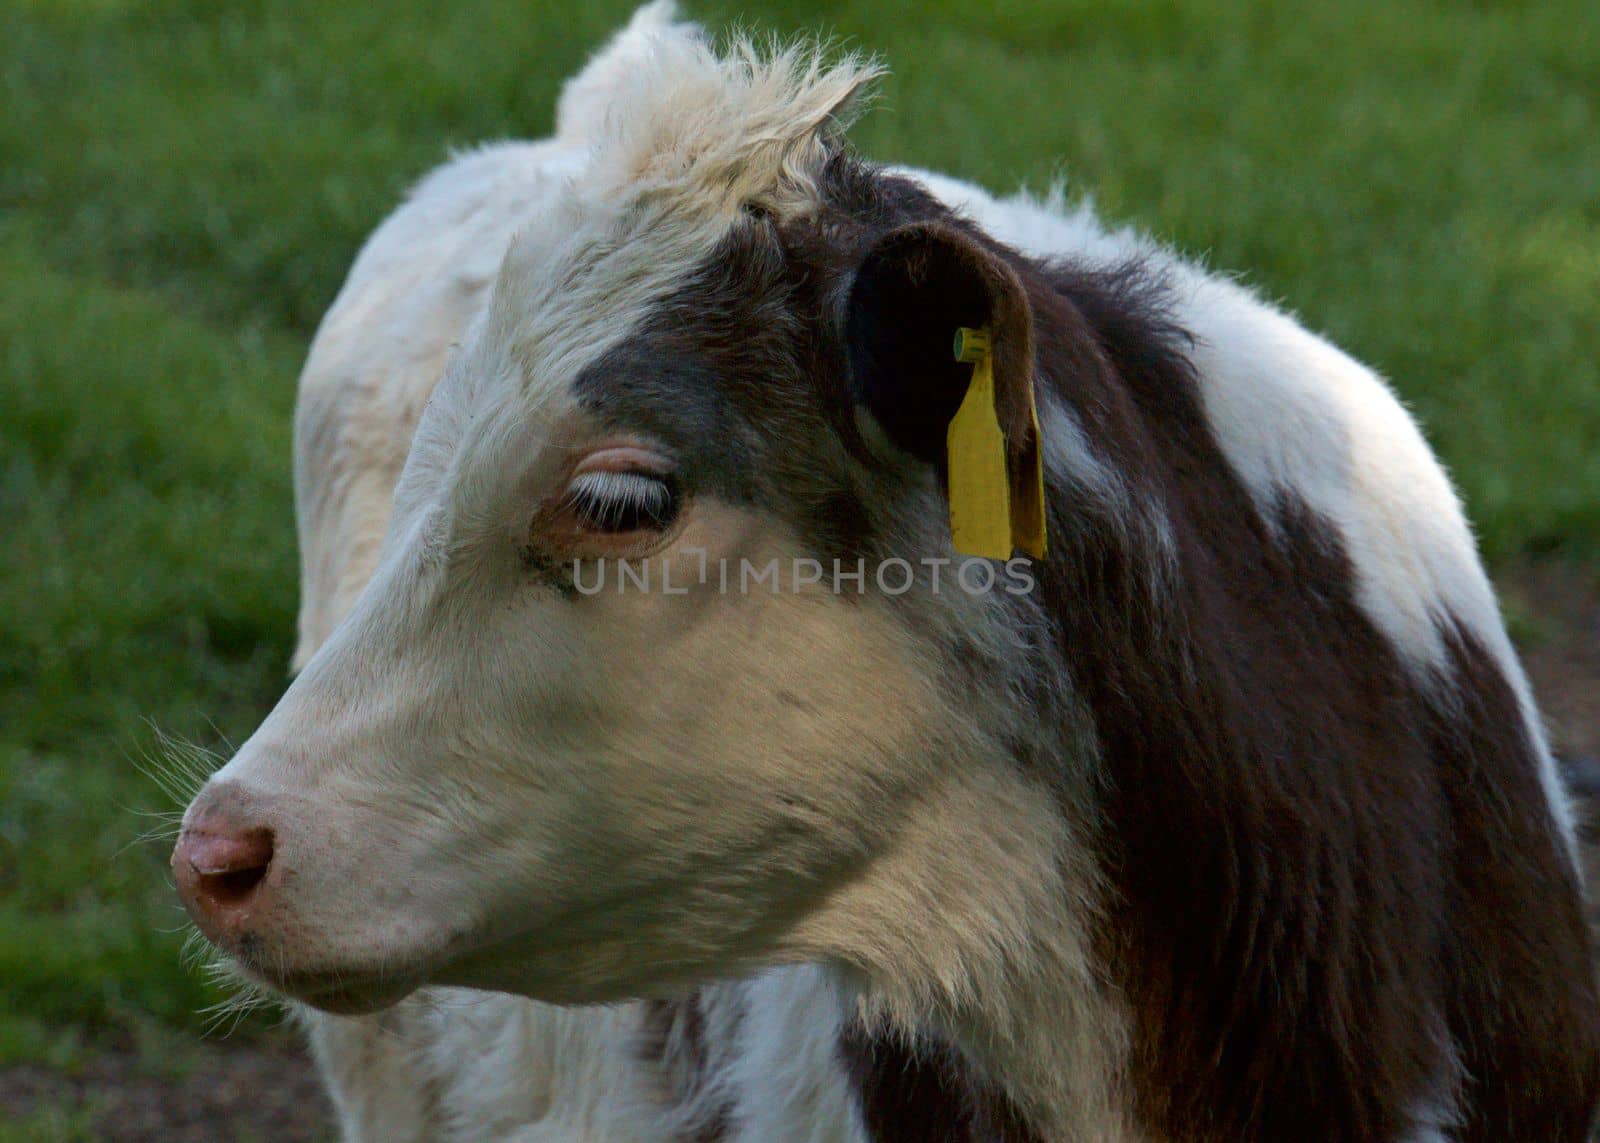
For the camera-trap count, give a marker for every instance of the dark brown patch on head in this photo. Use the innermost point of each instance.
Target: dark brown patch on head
(742, 373)
(721, 374)
(920, 1091)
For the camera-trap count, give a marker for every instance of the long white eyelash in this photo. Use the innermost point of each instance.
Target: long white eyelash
(605, 496)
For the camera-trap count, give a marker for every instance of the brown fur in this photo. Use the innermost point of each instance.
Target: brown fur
(921, 1092)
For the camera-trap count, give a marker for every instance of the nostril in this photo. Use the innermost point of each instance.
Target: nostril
(227, 888)
(224, 869)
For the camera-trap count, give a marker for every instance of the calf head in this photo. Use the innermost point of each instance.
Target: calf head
(716, 374)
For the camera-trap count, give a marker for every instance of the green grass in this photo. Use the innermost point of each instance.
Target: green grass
(182, 185)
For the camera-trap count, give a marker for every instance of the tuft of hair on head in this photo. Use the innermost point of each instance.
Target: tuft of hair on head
(749, 126)
(581, 110)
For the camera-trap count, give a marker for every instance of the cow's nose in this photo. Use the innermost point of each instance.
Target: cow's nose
(219, 869)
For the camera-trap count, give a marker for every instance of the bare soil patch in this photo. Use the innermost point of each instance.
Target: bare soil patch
(229, 1093)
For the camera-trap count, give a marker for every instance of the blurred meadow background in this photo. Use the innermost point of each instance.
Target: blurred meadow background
(183, 184)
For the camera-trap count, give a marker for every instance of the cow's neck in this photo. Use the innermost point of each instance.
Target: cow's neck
(969, 942)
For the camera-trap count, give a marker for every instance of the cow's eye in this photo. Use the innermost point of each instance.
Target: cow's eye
(620, 502)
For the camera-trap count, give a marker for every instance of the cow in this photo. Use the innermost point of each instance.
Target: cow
(1221, 812)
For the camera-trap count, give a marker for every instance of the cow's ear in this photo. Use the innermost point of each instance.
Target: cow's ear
(915, 288)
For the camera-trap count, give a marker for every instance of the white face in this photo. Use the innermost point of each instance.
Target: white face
(487, 778)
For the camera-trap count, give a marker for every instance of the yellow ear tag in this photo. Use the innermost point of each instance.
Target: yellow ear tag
(980, 491)
(988, 517)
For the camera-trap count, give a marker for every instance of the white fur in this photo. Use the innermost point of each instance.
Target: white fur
(1291, 412)
(786, 1077)
(419, 282)
(587, 98)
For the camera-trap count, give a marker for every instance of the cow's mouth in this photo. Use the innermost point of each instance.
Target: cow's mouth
(343, 991)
